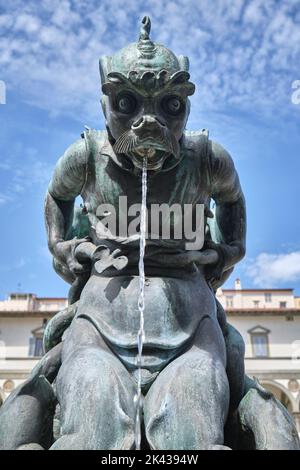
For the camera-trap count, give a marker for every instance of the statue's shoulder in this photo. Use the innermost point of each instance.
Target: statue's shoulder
(219, 152)
(73, 156)
(94, 139)
(222, 165)
(77, 154)
(205, 148)
(197, 147)
(196, 141)
(75, 150)
(194, 136)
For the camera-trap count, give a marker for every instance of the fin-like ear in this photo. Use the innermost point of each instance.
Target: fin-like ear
(103, 105)
(184, 62)
(104, 67)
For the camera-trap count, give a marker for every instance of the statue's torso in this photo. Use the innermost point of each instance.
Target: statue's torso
(106, 182)
(175, 300)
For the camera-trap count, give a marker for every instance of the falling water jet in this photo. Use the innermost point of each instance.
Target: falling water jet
(138, 399)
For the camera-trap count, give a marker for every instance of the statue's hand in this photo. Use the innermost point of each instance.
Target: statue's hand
(215, 270)
(68, 253)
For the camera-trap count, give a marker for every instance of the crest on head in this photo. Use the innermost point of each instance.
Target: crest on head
(146, 65)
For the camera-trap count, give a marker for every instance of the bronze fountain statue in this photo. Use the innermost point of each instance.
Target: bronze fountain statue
(166, 372)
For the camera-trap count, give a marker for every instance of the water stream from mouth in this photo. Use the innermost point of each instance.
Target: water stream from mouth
(138, 399)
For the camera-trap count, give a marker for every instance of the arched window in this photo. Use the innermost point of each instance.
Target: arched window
(279, 393)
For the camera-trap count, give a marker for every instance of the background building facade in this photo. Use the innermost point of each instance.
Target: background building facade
(268, 319)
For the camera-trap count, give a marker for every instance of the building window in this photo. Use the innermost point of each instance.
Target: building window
(259, 341)
(256, 303)
(268, 297)
(229, 301)
(36, 348)
(2, 350)
(259, 345)
(19, 296)
(282, 304)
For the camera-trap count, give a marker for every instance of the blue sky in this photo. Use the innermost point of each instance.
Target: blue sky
(244, 57)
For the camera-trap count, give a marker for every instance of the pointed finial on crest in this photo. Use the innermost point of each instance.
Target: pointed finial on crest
(145, 29)
(145, 45)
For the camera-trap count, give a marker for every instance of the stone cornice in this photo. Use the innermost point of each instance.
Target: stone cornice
(274, 312)
(27, 313)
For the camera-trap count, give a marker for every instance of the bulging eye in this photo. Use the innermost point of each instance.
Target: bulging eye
(126, 103)
(172, 105)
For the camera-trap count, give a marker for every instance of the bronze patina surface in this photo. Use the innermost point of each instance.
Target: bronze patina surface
(196, 395)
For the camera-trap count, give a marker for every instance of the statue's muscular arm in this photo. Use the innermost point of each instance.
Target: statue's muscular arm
(66, 184)
(230, 210)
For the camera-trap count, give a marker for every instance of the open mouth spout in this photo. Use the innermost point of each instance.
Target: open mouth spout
(155, 157)
(146, 152)
(150, 148)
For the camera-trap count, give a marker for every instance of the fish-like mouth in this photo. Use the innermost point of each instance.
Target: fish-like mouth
(150, 151)
(154, 157)
(154, 150)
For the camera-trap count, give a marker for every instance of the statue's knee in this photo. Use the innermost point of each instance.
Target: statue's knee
(201, 370)
(89, 365)
(88, 439)
(196, 377)
(93, 382)
(74, 441)
(197, 371)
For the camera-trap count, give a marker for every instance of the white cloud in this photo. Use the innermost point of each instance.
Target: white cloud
(27, 23)
(241, 53)
(26, 173)
(35, 174)
(6, 166)
(274, 269)
(4, 199)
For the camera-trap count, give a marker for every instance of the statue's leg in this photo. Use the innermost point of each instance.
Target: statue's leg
(187, 405)
(95, 392)
(235, 350)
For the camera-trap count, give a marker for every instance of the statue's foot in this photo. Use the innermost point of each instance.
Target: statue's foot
(218, 447)
(31, 446)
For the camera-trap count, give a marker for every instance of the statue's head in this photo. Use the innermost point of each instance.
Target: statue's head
(145, 102)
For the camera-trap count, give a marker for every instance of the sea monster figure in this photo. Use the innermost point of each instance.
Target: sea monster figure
(195, 393)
